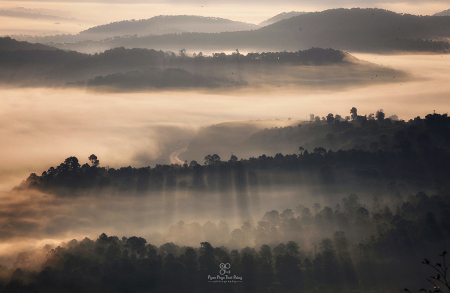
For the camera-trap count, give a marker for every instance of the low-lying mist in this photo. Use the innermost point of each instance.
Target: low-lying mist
(42, 127)
(30, 219)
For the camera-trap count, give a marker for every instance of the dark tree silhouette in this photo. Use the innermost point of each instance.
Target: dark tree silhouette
(94, 161)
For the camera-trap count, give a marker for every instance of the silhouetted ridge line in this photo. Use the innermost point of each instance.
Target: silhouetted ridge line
(416, 152)
(364, 30)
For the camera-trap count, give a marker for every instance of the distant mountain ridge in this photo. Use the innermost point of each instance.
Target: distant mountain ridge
(360, 30)
(158, 25)
(281, 16)
(163, 24)
(23, 14)
(443, 13)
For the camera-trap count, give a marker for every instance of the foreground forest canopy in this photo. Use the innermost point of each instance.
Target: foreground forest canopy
(373, 239)
(376, 248)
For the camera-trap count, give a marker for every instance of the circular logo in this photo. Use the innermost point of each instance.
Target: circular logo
(224, 267)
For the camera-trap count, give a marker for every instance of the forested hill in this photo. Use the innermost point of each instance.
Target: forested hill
(354, 244)
(364, 30)
(281, 16)
(141, 68)
(158, 25)
(168, 24)
(414, 153)
(8, 44)
(361, 29)
(384, 255)
(443, 13)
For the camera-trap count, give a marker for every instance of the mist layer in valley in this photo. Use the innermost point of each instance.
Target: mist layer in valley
(142, 129)
(31, 65)
(148, 160)
(75, 198)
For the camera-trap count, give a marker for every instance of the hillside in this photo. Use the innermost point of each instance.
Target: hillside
(136, 69)
(443, 13)
(281, 16)
(361, 30)
(8, 44)
(158, 25)
(164, 24)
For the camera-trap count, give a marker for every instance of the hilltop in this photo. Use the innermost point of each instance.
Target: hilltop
(281, 16)
(361, 30)
(8, 44)
(443, 13)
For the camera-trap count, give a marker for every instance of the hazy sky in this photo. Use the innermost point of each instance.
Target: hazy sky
(91, 13)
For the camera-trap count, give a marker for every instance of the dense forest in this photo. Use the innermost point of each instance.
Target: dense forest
(157, 25)
(414, 153)
(164, 24)
(369, 249)
(395, 213)
(443, 13)
(144, 68)
(281, 16)
(8, 44)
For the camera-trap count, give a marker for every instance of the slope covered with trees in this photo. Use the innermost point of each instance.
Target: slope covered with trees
(281, 16)
(136, 69)
(443, 13)
(391, 208)
(164, 24)
(157, 25)
(375, 248)
(362, 30)
(413, 153)
(8, 44)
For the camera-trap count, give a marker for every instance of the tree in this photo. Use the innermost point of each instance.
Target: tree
(330, 118)
(193, 163)
(266, 270)
(354, 113)
(233, 158)
(316, 207)
(380, 115)
(94, 161)
(72, 163)
(288, 270)
(136, 243)
(320, 150)
(330, 264)
(393, 117)
(440, 279)
(212, 159)
(301, 149)
(292, 248)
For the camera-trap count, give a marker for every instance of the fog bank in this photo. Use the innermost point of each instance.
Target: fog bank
(42, 127)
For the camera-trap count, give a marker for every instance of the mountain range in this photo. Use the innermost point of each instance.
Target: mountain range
(362, 30)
